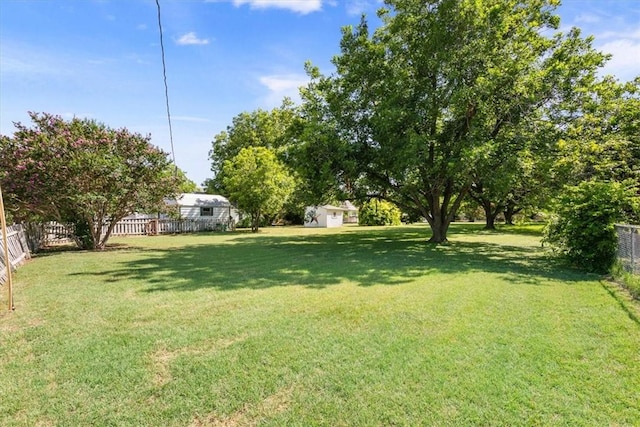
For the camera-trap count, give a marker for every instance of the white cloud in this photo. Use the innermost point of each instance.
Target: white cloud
(625, 62)
(191, 39)
(283, 85)
(624, 46)
(298, 6)
(190, 119)
(369, 7)
(632, 34)
(358, 7)
(588, 18)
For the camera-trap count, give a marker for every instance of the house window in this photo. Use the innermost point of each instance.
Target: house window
(206, 211)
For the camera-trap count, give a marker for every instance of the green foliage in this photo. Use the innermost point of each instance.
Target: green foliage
(82, 173)
(603, 142)
(257, 182)
(439, 88)
(260, 128)
(583, 229)
(378, 212)
(629, 280)
(183, 183)
(471, 211)
(276, 130)
(246, 222)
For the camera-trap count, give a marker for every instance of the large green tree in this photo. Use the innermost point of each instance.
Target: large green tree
(257, 182)
(259, 128)
(83, 174)
(602, 142)
(276, 130)
(418, 103)
(599, 165)
(516, 175)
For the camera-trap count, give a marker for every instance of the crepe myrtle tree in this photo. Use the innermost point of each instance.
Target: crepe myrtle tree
(83, 174)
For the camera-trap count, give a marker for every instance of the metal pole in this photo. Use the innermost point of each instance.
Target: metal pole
(5, 243)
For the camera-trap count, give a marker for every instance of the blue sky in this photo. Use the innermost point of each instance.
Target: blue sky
(101, 59)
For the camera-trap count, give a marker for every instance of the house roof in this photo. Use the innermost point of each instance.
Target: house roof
(332, 208)
(197, 199)
(348, 206)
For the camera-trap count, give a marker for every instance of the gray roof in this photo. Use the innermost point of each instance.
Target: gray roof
(332, 208)
(348, 206)
(197, 199)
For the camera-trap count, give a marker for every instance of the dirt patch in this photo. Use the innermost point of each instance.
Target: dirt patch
(250, 415)
(161, 359)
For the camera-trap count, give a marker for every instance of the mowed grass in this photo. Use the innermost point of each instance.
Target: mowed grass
(299, 327)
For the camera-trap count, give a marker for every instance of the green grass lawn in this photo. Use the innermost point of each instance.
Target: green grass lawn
(299, 327)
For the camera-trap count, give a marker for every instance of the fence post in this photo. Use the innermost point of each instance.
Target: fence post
(5, 242)
(632, 232)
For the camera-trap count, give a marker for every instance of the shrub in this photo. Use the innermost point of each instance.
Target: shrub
(378, 212)
(628, 280)
(583, 227)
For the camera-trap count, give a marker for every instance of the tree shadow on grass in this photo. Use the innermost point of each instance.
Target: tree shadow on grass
(478, 228)
(365, 257)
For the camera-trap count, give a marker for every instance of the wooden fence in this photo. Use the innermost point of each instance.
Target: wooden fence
(57, 234)
(18, 250)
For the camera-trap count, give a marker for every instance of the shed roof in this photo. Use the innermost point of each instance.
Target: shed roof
(197, 199)
(332, 208)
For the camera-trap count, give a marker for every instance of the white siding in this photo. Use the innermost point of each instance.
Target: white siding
(333, 218)
(323, 216)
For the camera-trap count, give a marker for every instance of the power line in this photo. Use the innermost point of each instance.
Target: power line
(166, 88)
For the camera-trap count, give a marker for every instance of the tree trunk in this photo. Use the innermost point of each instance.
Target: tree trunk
(107, 234)
(490, 216)
(442, 210)
(255, 222)
(35, 235)
(509, 212)
(508, 217)
(439, 232)
(83, 234)
(490, 222)
(490, 213)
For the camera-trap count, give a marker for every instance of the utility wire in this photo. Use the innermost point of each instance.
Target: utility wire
(166, 88)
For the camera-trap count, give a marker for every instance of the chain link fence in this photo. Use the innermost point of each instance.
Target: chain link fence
(629, 247)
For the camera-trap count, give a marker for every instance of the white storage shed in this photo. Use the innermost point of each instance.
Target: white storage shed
(323, 216)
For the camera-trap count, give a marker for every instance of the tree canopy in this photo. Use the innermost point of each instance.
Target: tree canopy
(83, 174)
(440, 88)
(257, 182)
(603, 141)
(259, 128)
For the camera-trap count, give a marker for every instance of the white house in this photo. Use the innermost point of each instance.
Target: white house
(323, 216)
(205, 206)
(350, 212)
